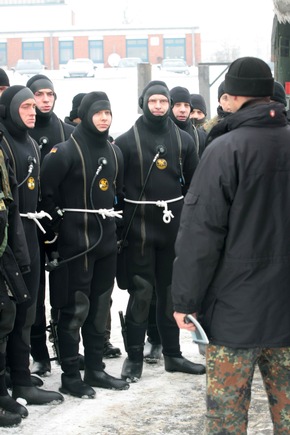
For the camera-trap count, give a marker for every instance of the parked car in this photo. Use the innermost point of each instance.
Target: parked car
(129, 62)
(30, 67)
(175, 65)
(80, 67)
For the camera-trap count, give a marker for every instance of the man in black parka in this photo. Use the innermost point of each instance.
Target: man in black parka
(80, 181)
(159, 161)
(233, 252)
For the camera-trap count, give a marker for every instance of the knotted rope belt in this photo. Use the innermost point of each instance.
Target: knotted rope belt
(167, 214)
(35, 216)
(104, 212)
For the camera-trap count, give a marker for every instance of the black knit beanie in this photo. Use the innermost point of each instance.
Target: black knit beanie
(92, 103)
(180, 95)
(77, 99)
(221, 90)
(279, 94)
(249, 76)
(4, 80)
(198, 103)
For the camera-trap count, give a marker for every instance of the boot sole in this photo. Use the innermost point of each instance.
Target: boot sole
(85, 396)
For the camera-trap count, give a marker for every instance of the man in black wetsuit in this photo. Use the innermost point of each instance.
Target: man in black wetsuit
(17, 108)
(80, 181)
(48, 131)
(159, 161)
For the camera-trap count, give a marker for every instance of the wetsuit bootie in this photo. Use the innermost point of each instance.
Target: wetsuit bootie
(152, 353)
(111, 351)
(35, 396)
(132, 370)
(35, 380)
(9, 419)
(7, 403)
(101, 379)
(183, 365)
(41, 368)
(75, 386)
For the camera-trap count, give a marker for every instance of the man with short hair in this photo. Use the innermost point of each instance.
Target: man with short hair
(232, 252)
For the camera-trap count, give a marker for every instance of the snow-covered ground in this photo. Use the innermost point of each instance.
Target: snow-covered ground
(161, 403)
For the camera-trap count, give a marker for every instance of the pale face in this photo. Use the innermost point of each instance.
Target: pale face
(27, 112)
(181, 111)
(158, 105)
(224, 103)
(197, 114)
(232, 103)
(45, 99)
(102, 120)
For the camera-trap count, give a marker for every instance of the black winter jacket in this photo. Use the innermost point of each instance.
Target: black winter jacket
(233, 248)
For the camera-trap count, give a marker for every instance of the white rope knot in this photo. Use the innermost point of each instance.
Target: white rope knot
(167, 214)
(104, 212)
(35, 216)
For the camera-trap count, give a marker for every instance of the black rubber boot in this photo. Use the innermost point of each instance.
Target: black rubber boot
(101, 379)
(41, 368)
(183, 365)
(35, 380)
(9, 404)
(152, 353)
(81, 362)
(36, 396)
(75, 386)
(132, 370)
(111, 351)
(9, 419)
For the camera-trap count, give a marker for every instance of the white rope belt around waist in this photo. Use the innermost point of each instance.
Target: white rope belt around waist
(104, 212)
(167, 214)
(35, 216)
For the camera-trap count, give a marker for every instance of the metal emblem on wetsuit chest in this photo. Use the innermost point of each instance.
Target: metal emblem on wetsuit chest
(104, 184)
(31, 183)
(161, 164)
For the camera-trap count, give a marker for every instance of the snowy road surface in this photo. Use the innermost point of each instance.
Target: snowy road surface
(160, 403)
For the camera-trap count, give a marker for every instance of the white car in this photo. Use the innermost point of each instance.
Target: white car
(175, 65)
(29, 67)
(81, 67)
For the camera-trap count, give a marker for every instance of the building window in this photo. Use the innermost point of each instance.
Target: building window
(137, 48)
(3, 53)
(174, 48)
(66, 51)
(96, 51)
(33, 50)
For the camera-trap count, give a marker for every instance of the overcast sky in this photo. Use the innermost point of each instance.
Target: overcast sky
(243, 23)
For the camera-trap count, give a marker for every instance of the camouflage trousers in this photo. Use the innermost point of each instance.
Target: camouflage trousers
(229, 378)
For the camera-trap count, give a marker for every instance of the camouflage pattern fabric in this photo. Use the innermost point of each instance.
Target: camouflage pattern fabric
(229, 378)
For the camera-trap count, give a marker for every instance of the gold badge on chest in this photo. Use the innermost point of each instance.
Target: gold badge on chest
(31, 183)
(103, 184)
(161, 164)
